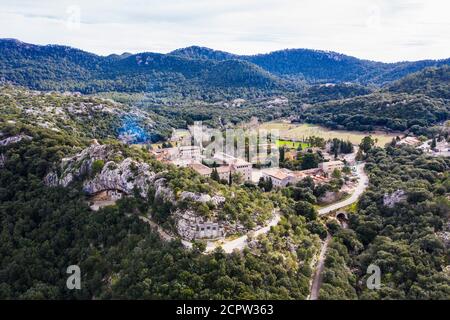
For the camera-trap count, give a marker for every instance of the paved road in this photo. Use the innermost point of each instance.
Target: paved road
(228, 246)
(362, 185)
(241, 242)
(318, 276)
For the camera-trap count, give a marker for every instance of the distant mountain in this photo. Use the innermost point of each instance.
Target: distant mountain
(54, 67)
(317, 66)
(197, 72)
(433, 82)
(323, 66)
(196, 52)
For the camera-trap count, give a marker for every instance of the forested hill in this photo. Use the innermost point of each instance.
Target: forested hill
(317, 66)
(54, 67)
(192, 71)
(196, 52)
(433, 82)
(391, 111)
(45, 227)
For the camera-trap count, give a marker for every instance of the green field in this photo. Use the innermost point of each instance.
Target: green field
(300, 132)
(291, 144)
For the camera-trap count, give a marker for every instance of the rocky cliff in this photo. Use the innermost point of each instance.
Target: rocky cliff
(101, 167)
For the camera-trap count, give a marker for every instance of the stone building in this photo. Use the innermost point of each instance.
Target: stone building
(201, 169)
(208, 230)
(330, 166)
(234, 165)
(279, 177)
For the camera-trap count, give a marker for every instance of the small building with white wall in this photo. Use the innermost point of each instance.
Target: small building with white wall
(330, 166)
(235, 165)
(224, 172)
(208, 230)
(201, 169)
(280, 177)
(189, 152)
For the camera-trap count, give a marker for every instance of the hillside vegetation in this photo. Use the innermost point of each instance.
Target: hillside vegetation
(192, 71)
(80, 116)
(433, 82)
(406, 238)
(63, 68)
(316, 66)
(390, 111)
(45, 227)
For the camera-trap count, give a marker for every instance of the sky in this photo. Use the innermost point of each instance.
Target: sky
(382, 30)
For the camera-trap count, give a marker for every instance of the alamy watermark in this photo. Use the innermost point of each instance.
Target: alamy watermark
(255, 145)
(74, 280)
(374, 280)
(73, 17)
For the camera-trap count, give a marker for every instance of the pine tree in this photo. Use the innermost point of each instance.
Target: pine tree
(269, 185)
(215, 175)
(433, 143)
(359, 155)
(282, 154)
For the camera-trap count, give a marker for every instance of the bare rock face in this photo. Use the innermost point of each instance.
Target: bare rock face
(187, 224)
(14, 139)
(162, 192)
(125, 176)
(191, 226)
(78, 166)
(203, 198)
(390, 200)
(329, 197)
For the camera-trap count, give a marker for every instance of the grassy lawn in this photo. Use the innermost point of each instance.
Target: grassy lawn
(291, 144)
(302, 131)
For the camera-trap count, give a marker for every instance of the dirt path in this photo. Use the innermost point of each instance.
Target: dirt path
(163, 234)
(318, 276)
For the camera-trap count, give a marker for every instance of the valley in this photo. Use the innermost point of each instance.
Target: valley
(298, 132)
(201, 174)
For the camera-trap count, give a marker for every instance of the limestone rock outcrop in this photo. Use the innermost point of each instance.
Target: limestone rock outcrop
(102, 168)
(390, 200)
(14, 139)
(202, 197)
(124, 175)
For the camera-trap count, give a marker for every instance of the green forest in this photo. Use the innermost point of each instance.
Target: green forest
(132, 102)
(405, 240)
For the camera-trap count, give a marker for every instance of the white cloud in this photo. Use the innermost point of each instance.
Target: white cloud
(386, 30)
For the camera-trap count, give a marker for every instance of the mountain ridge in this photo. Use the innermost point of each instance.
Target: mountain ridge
(285, 63)
(193, 69)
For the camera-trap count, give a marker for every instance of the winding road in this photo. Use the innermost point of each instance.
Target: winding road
(240, 243)
(320, 265)
(362, 185)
